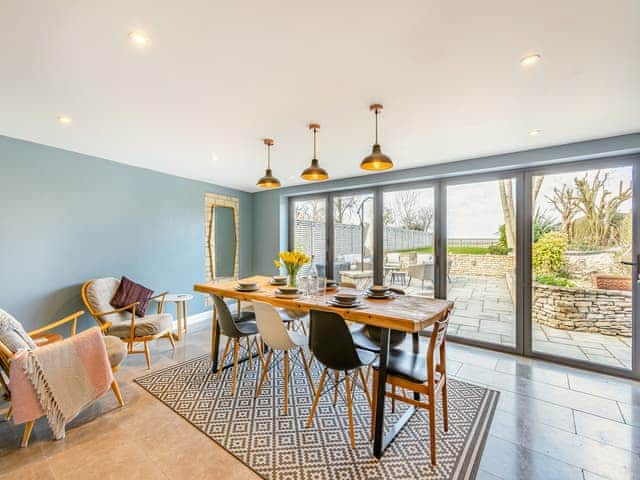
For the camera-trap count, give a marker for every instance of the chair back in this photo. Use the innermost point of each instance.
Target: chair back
(437, 343)
(225, 319)
(97, 295)
(331, 342)
(271, 327)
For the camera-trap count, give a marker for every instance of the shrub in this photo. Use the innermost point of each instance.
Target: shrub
(554, 280)
(548, 253)
(498, 249)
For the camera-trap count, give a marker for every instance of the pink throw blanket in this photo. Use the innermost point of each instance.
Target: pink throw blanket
(60, 379)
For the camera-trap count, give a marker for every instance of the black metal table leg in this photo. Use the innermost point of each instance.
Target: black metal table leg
(415, 340)
(378, 431)
(215, 342)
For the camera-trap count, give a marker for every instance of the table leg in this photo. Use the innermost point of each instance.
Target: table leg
(185, 315)
(378, 429)
(415, 337)
(179, 319)
(215, 341)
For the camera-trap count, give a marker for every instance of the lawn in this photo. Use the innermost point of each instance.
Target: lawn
(467, 250)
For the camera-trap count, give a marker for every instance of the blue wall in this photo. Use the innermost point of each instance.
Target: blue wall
(270, 212)
(66, 218)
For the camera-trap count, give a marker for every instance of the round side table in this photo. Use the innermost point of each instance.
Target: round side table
(180, 299)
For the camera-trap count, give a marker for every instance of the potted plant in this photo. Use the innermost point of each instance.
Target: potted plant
(292, 262)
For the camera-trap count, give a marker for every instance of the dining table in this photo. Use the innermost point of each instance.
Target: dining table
(406, 313)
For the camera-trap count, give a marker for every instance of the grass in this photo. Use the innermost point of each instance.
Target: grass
(467, 250)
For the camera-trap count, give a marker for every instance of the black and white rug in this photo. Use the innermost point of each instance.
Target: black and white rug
(280, 447)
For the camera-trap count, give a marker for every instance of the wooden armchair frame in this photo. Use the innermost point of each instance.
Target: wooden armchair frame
(7, 355)
(131, 339)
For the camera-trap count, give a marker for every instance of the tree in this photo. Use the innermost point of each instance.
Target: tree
(564, 202)
(313, 210)
(600, 207)
(408, 215)
(508, 207)
(342, 206)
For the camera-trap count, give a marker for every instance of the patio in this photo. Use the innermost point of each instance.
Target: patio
(484, 311)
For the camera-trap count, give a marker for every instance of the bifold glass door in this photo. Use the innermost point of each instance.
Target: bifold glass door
(582, 275)
(481, 260)
(310, 230)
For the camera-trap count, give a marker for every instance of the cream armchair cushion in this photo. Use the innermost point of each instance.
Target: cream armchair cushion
(145, 326)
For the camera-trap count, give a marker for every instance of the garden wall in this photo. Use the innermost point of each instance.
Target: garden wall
(583, 309)
(481, 265)
(582, 264)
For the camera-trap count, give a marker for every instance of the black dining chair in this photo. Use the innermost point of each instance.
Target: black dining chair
(235, 331)
(331, 343)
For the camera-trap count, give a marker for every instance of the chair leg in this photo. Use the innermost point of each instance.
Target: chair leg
(27, 433)
(259, 348)
(147, 354)
(224, 355)
(347, 383)
(249, 354)
(365, 388)
(9, 413)
(236, 348)
(307, 368)
(432, 428)
(316, 398)
(265, 370)
(286, 381)
(116, 392)
(445, 406)
(171, 340)
(374, 401)
(393, 400)
(335, 391)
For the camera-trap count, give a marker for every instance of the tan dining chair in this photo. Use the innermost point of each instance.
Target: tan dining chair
(123, 322)
(413, 372)
(283, 343)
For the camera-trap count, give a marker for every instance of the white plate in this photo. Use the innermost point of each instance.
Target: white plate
(287, 295)
(344, 305)
(240, 289)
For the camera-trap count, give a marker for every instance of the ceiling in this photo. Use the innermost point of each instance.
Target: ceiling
(218, 76)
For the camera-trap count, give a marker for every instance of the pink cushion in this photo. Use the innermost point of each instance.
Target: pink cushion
(130, 292)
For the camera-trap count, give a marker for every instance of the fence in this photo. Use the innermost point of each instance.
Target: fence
(471, 242)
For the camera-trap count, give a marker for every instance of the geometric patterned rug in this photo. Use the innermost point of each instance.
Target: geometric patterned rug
(280, 447)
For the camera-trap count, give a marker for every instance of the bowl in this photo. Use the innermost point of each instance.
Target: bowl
(346, 297)
(247, 285)
(378, 289)
(288, 290)
(279, 278)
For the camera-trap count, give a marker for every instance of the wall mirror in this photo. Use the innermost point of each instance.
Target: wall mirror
(222, 216)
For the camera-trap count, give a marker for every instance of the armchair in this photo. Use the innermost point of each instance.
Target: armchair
(13, 338)
(123, 322)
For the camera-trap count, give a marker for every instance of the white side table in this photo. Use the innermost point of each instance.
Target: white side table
(180, 299)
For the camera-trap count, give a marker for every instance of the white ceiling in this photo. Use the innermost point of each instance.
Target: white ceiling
(220, 75)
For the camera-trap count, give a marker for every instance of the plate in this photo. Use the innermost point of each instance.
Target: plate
(253, 289)
(344, 305)
(287, 295)
(278, 284)
(378, 289)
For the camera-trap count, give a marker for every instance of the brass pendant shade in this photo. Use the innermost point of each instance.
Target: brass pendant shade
(268, 181)
(377, 160)
(314, 172)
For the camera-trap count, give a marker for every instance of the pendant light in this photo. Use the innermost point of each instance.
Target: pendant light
(268, 181)
(377, 160)
(314, 172)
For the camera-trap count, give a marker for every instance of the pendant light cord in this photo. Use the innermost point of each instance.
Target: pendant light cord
(268, 156)
(314, 142)
(376, 125)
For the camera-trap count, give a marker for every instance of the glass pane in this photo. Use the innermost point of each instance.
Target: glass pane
(582, 299)
(408, 241)
(353, 239)
(481, 235)
(310, 231)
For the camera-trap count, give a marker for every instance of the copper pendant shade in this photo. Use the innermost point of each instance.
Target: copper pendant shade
(268, 181)
(314, 172)
(376, 160)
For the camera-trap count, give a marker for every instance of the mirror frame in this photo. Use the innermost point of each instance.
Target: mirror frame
(213, 201)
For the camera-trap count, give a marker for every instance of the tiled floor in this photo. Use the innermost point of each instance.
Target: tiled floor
(484, 312)
(552, 422)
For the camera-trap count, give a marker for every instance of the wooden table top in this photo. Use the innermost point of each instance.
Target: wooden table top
(404, 312)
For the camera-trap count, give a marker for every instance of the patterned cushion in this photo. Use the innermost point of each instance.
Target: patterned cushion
(99, 295)
(116, 349)
(129, 292)
(145, 326)
(12, 334)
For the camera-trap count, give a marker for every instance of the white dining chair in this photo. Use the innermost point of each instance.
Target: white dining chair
(281, 343)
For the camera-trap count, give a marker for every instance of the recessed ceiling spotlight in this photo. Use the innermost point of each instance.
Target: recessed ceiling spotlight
(535, 133)
(138, 39)
(64, 119)
(529, 60)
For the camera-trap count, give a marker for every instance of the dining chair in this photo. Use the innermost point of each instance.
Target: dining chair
(424, 376)
(275, 335)
(331, 343)
(235, 331)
